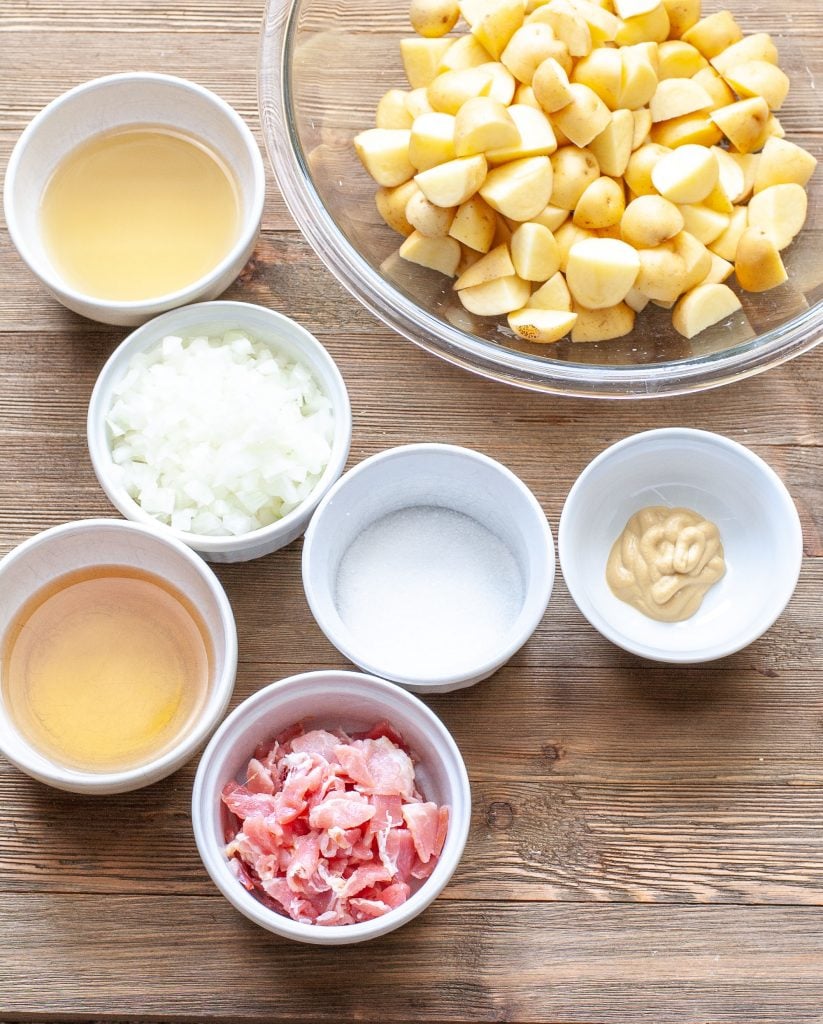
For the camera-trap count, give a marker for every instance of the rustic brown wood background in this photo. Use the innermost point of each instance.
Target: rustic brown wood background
(647, 842)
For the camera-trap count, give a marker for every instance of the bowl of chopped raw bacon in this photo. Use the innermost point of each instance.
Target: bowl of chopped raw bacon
(331, 807)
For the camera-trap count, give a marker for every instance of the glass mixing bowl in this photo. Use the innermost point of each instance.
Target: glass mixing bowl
(323, 68)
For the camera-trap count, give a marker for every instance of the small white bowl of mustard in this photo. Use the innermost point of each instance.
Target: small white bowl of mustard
(680, 545)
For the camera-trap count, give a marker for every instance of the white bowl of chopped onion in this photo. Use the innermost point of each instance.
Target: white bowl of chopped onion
(224, 423)
(331, 807)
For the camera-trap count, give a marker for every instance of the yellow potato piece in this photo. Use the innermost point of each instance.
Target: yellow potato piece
(602, 72)
(641, 164)
(493, 22)
(474, 224)
(755, 47)
(757, 264)
(569, 27)
(613, 146)
(636, 300)
(676, 97)
(713, 34)
(695, 256)
(391, 205)
(433, 18)
(783, 163)
(535, 136)
(503, 82)
(677, 59)
(603, 25)
(759, 78)
(649, 221)
(584, 118)
(705, 224)
(449, 91)
(721, 270)
(494, 298)
(527, 49)
(417, 103)
(683, 14)
(602, 324)
(384, 152)
(464, 52)
(745, 123)
(642, 126)
(567, 236)
(543, 326)
(574, 170)
(441, 254)
(703, 307)
(454, 182)
(600, 272)
(554, 294)
(519, 189)
(780, 211)
(687, 175)
(482, 123)
(633, 8)
(428, 219)
(534, 252)
(551, 86)
(552, 217)
(732, 180)
(662, 276)
(696, 129)
(495, 264)
(392, 111)
(431, 141)
(639, 80)
(601, 206)
(421, 59)
(652, 27)
(725, 245)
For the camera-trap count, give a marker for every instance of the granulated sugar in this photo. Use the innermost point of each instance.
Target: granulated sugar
(428, 590)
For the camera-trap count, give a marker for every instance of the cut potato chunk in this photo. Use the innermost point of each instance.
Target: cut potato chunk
(745, 123)
(535, 136)
(602, 324)
(554, 294)
(714, 34)
(433, 18)
(464, 52)
(759, 78)
(696, 129)
(602, 72)
(569, 27)
(441, 254)
(649, 221)
(392, 111)
(535, 253)
(574, 170)
(725, 245)
(474, 224)
(677, 59)
(551, 86)
(676, 97)
(454, 182)
(731, 179)
(633, 8)
(493, 22)
(642, 126)
(695, 256)
(639, 81)
(568, 235)
(703, 307)
(520, 189)
(783, 163)
(495, 298)
(716, 87)
(613, 146)
(721, 270)
(542, 326)
(637, 300)
(527, 49)
(495, 264)
(584, 117)
(641, 164)
(780, 211)
(384, 153)
(755, 47)
(704, 223)
(552, 217)
(428, 219)
(600, 272)
(601, 206)
(652, 27)
(603, 25)
(757, 264)
(683, 14)
(432, 140)
(449, 91)
(421, 59)
(687, 175)
(662, 275)
(482, 123)
(391, 205)
(503, 81)
(417, 103)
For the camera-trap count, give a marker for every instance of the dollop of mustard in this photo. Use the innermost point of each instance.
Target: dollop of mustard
(665, 561)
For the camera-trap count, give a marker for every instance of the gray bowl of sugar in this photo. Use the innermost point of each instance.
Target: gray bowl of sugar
(429, 565)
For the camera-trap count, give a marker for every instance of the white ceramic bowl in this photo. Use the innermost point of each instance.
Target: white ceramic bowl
(443, 476)
(723, 481)
(265, 325)
(115, 101)
(92, 542)
(329, 699)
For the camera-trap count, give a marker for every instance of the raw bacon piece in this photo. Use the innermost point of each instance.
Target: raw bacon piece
(332, 831)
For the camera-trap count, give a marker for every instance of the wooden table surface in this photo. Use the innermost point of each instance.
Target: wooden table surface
(646, 842)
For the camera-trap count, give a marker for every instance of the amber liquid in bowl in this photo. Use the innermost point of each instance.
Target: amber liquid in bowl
(105, 668)
(139, 212)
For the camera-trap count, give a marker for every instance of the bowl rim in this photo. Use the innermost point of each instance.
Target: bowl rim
(249, 223)
(789, 519)
(529, 617)
(396, 310)
(203, 809)
(102, 783)
(100, 452)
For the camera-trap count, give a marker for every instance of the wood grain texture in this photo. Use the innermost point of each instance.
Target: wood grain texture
(646, 841)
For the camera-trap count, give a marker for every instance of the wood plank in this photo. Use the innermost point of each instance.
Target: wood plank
(584, 964)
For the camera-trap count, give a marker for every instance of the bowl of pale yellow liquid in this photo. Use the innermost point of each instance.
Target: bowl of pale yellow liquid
(133, 194)
(118, 654)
